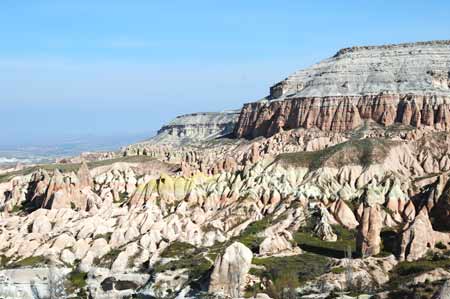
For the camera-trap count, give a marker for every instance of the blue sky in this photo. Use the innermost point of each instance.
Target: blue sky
(124, 67)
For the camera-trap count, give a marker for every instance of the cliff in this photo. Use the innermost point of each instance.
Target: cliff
(196, 127)
(406, 83)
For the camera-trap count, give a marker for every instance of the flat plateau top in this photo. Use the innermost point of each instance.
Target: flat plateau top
(417, 68)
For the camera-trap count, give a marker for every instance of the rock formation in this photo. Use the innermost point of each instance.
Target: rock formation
(417, 238)
(228, 277)
(279, 244)
(356, 153)
(196, 127)
(368, 239)
(405, 83)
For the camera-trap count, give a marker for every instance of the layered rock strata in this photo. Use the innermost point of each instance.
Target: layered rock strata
(405, 83)
(196, 127)
(339, 114)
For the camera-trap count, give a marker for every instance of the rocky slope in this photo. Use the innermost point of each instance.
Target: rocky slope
(195, 127)
(140, 225)
(310, 212)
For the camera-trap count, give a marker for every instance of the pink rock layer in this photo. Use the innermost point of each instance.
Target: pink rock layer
(342, 113)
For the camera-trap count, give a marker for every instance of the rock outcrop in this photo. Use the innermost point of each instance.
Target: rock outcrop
(279, 244)
(196, 127)
(405, 83)
(368, 238)
(417, 238)
(228, 277)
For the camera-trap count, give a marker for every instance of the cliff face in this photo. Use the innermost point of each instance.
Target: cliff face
(196, 127)
(342, 113)
(406, 83)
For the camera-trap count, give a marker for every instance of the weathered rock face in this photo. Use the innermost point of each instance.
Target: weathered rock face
(403, 68)
(406, 83)
(417, 238)
(279, 244)
(368, 238)
(228, 277)
(343, 214)
(196, 127)
(367, 272)
(84, 176)
(338, 114)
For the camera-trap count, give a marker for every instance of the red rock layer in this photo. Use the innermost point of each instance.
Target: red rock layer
(342, 113)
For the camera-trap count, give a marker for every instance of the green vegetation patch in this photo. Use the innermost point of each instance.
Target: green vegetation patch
(422, 290)
(77, 279)
(31, 261)
(177, 249)
(108, 259)
(346, 240)
(187, 257)
(287, 273)
(123, 197)
(354, 152)
(4, 260)
(249, 237)
(338, 270)
(405, 271)
(440, 245)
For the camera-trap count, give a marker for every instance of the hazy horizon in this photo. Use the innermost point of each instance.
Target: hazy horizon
(112, 68)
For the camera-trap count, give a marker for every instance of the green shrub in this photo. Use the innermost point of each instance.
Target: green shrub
(4, 260)
(389, 242)
(288, 272)
(76, 280)
(346, 239)
(403, 272)
(123, 196)
(440, 245)
(354, 152)
(188, 257)
(177, 249)
(31, 261)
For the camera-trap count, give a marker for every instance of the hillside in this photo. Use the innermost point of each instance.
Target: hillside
(337, 184)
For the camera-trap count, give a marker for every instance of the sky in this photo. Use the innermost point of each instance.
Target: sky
(105, 68)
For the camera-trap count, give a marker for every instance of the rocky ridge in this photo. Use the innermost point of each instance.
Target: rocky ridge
(196, 127)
